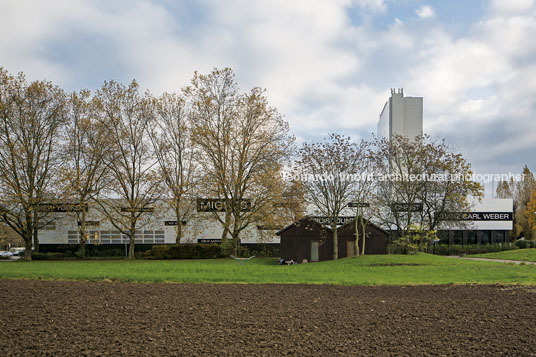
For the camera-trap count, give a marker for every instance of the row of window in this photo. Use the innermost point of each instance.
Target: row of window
(116, 237)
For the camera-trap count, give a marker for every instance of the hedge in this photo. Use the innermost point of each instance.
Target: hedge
(525, 244)
(183, 251)
(456, 249)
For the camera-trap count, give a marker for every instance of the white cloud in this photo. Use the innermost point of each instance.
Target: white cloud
(512, 7)
(478, 90)
(374, 6)
(323, 72)
(425, 12)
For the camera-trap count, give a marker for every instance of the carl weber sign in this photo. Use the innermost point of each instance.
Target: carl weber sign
(218, 205)
(476, 216)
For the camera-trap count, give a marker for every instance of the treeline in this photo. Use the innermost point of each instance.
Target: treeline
(524, 195)
(122, 149)
(125, 149)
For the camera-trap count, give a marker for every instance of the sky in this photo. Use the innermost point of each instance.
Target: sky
(327, 65)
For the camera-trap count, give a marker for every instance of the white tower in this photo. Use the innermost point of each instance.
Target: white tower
(401, 116)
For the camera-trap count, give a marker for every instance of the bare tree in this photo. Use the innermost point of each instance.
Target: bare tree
(328, 171)
(30, 115)
(523, 190)
(364, 186)
(85, 148)
(244, 143)
(171, 137)
(422, 181)
(134, 185)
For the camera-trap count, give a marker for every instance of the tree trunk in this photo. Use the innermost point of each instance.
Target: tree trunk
(356, 236)
(335, 242)
(178, 231)
(82, 248)
(363, 227)
(224, 240)
(36, 239)
(236, 243)
(36, 232)
(28, 246)
(132, 239)
(28, 236)
(83, 234)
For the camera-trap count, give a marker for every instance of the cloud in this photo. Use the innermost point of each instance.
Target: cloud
(324, 71)
(478, 90)
(373, 6)
(512, 7)
(425, 12)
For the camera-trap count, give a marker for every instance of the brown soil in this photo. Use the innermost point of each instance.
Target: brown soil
(81, 318)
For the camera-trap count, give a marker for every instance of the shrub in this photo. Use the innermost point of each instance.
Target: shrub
(115, 252)
(51, 256)
(525, 244)
(183, 251)
(404, 245)
(457, 249)
(263, 250)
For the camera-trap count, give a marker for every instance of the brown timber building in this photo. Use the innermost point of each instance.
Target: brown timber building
(309, 240)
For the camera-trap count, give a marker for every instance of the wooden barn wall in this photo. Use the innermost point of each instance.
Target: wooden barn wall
(296, 242)
(375, 242)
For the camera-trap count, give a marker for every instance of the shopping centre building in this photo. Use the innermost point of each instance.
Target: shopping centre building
(488, 221)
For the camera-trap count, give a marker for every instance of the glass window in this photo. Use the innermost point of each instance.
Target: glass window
(458, 237)
(47, 226)
(443, 237)
(471, 237)
(485, 237)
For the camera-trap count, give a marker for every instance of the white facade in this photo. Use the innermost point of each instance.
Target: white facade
(489, 214)
(156, 228)
(401, 116)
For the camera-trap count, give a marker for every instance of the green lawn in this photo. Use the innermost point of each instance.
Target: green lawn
(368, 270)
(528, 255)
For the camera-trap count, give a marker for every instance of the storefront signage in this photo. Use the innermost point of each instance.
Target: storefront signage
(341, 220)
(136, 209)
(61, 207)
(208, 240)
(358, 204)
(406, 207)
(90, 223)
(476, 216)
(218, 205)
(173, 223)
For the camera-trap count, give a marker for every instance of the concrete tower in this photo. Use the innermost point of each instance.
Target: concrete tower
(400, 115)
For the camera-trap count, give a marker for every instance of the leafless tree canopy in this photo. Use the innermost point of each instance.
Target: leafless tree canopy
(30, 117)
(243, 143)
(328, 170)
(171, 137)
(438, 182)
(134, 183)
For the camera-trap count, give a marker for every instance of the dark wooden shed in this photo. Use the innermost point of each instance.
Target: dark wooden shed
(308, 239)
(375, 241)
